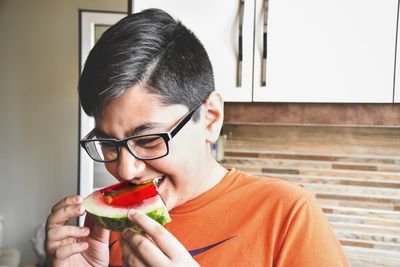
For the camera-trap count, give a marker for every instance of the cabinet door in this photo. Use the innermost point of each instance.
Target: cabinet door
(216, 24)
(328, 51)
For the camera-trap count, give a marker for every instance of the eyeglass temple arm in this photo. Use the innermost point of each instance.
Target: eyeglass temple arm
(85, 139)
(182, 123)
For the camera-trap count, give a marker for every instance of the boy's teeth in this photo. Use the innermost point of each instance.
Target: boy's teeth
(157, 180)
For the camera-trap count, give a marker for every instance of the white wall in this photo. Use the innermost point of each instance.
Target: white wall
(39, 49)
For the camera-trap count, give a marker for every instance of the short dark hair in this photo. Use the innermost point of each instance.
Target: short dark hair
(150, 48)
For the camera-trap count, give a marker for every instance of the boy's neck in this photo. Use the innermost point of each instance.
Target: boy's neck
(211, 175)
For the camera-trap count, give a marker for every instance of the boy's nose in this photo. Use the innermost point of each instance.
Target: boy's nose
(128, 166)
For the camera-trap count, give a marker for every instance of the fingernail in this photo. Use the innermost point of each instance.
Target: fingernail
(80, 209)
(78, 199)
(131, 213)
(85, 230)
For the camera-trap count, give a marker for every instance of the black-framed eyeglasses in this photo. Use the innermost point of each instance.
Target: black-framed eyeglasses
(143, 147)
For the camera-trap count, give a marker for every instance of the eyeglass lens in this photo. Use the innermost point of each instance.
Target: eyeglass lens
(147, 147)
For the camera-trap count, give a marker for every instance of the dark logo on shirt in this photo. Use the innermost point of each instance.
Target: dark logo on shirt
(198, 251)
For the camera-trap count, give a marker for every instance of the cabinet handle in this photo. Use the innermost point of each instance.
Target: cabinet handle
(264, 54)
(240, 52)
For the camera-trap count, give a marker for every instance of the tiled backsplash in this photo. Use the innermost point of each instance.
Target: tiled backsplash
(354, 172)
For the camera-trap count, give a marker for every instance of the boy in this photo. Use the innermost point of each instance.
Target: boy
(147, 75)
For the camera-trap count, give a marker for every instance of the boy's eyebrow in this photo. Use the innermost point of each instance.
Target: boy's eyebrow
(136, 131)
(100, 134)
(145, 127)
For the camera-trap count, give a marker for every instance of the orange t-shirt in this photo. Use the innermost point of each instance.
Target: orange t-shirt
(252, 221)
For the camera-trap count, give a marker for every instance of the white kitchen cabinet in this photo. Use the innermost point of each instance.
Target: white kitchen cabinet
(317, 50)
(216, 24)
(328, 51)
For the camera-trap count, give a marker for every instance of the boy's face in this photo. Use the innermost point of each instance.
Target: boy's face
(143, 113)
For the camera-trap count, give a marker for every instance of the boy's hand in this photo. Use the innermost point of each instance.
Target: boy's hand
(68, 245)
(154, 247)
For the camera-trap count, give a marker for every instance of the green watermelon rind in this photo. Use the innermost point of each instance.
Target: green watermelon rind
(160, 215)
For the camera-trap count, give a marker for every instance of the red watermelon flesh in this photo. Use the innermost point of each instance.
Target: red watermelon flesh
(109, 206)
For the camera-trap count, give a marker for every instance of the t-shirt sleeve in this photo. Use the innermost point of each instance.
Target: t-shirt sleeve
(308, 238)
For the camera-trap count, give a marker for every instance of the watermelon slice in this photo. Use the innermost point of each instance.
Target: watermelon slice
(109, 206)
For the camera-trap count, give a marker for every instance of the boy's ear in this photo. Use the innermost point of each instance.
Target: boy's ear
(214, 116)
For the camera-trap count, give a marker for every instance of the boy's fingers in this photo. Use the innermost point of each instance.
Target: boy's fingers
(100, 234)
(162, 238)
(52, 246)
(62, 215)
(147, 251)
(68, 201)
(70, 249)
(63, 232)
(129, 257)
